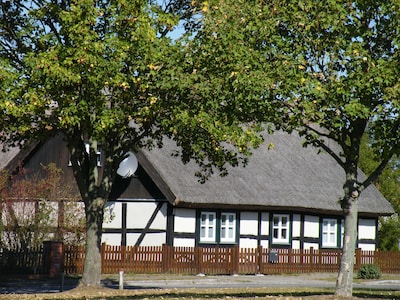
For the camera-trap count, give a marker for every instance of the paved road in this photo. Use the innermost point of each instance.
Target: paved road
(241, 281)
(258, 281)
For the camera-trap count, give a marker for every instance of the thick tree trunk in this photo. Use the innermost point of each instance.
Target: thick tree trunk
(344, 283)
(94, 222)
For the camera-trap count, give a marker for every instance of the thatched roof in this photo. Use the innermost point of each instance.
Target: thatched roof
(286, 177)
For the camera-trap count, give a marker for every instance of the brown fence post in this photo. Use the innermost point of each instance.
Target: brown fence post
(358, 259)
(235, 258)
(199, 258)
(259, 259)
(165, 258)
(311, 269)
(102, 254)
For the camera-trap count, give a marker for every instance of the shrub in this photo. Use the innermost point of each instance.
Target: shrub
(369, 272)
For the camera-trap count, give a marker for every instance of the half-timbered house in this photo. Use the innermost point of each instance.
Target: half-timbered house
(287, 196)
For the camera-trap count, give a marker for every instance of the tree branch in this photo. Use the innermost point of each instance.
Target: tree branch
(325, 147)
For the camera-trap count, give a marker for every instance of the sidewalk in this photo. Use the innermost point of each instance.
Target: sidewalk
(161, 281)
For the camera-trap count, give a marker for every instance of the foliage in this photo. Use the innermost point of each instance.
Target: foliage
(104, 74)
(327, 69)
(389, 233)
(389, 185)
(370, 271)
(31, 204)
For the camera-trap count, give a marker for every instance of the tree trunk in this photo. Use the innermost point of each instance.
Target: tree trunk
(344, 283)
(94, 210)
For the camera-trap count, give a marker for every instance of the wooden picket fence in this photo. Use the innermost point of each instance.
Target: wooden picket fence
(22, 261)
(223, 260)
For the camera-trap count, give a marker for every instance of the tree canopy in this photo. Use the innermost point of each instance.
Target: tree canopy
(103, 74)
(327, 69)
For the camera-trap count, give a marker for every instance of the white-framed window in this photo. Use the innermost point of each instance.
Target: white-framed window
(280, 229)
(208, 227)
(329, 232)
(228, 227)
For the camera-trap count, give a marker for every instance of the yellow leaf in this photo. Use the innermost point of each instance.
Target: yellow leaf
(205, 7)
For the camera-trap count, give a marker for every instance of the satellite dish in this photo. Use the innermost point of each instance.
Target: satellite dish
(128, 166)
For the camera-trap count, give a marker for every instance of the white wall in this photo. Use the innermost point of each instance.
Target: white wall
(265, 223)
(113, 215)
(178, 242)
(366, 229)
(111, 239)
(247, 243)
(367, 247)
(249, 223)
(184, 220)
(311, 245)
(138, 215)
(311, 226)
(150, 239)
(296, 226)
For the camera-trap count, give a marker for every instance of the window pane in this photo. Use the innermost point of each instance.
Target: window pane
(223, 232)
(202, 232)
(231, 219)
(211, 219)
(223, 219)
(284, 234)
(231, 233)
(276, 221)
(276, 233)
(284, 221)
(203, 218)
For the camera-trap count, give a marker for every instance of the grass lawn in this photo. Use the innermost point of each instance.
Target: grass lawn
(287, 293)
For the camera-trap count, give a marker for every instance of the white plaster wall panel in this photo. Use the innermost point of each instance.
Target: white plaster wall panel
(131, 238)
(113, 215)
(265, 224)
(366, 229)
(296, 226)
(185, 220)
(113, 239)
(139, 214)
(264, 243)
(307, 246)
(179, 242)
(311, 226)
(367, 247)
(249, 223)
(247, 243)
(295, 244)
(74, 213)
(24, 211)
(50, 209)
(160, 222)
(150, 239)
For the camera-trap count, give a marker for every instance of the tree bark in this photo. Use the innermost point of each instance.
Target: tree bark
(344, 283)
(94, 210)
